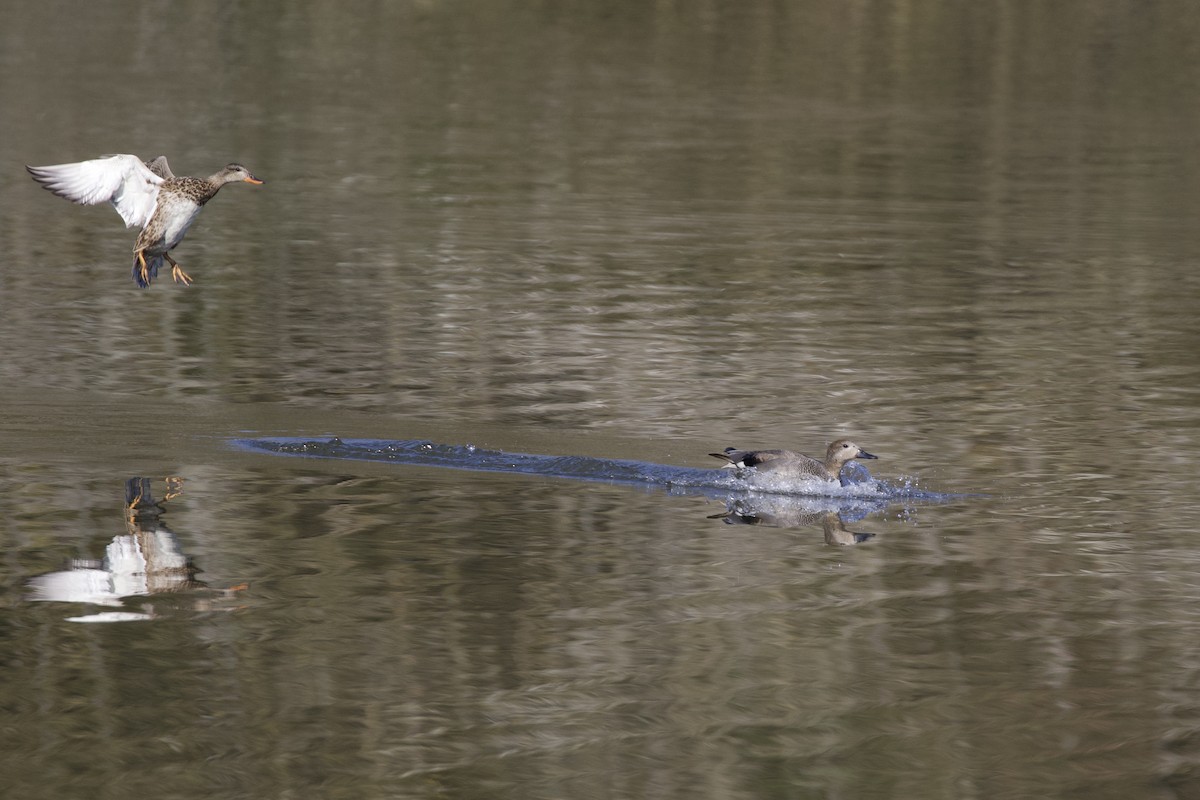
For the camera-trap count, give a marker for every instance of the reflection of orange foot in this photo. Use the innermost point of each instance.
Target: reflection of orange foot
(174, 487)
(138, 495)
(231, 593)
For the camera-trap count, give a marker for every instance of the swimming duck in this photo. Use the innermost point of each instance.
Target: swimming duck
(145, 194)
(785, 463)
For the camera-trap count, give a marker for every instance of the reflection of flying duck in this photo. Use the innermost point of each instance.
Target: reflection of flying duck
(786, 464)
(146, 560)
(146, 195)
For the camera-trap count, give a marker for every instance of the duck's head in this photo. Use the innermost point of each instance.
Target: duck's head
(844, 450)
(232, 173)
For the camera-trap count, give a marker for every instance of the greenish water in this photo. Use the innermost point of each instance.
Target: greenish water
(964, 234)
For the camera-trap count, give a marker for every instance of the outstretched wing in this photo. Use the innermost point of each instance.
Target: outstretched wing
(160, 167)
(122, 180)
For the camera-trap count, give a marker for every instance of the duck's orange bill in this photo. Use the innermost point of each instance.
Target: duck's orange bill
(253, 180)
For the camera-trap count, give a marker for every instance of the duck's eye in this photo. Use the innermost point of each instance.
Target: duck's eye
(845, 445)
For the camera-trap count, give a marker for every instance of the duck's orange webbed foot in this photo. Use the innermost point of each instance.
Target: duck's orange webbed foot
(177, 273)
(141, 254)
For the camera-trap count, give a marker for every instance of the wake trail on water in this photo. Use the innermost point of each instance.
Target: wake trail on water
(857, 483)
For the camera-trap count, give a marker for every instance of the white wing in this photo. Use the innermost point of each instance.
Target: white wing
(122, 180)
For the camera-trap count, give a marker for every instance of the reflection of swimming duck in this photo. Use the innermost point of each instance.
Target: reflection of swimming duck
(145, 194)
(784, 512)
(785, 463)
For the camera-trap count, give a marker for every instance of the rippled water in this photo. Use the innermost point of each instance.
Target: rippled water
(605, 236)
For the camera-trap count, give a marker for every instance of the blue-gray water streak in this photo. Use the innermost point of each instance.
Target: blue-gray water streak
(858, 494)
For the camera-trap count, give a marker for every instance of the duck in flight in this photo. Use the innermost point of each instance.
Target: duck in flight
(146, 194)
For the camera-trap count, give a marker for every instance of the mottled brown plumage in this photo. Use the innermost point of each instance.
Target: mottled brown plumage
(146, 194)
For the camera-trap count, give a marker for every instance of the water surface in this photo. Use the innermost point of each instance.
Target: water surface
(963, 234)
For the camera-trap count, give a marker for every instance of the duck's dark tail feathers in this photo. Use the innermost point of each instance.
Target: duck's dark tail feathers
(152, 265)
(731, 457)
